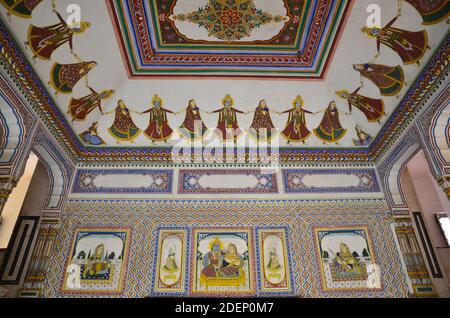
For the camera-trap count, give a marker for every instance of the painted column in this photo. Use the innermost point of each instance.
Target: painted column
(414, 261)
(40, 259)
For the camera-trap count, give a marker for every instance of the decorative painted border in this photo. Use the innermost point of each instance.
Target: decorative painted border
(85, 178)
(125, 260)
(186, 256)
(151, 63)
(292, 180)
(19, 250)
(260, 262)
(188, 181)
(220, 230)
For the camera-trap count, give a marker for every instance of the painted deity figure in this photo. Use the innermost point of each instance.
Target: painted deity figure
(432, 12)
(20, 8)
(296, 129)
(171, 263)
(193, 127)
(364, 139)
(372, 108)
(91, 137)
(158, 128)
(345, 261)
(410, 46)
(232, 262)
(212, 261)
(220, 263)
(330, 129)
(123, 127)
(97, 265)
(64, 77)
(43, 41)
(79, 108)
(262, 127)
(227, 127)
(273, 266)
(389, 79)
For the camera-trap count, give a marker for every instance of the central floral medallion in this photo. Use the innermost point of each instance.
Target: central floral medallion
(229, 20)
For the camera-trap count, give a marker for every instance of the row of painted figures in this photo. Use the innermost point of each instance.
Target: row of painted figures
(262, 127)
(410, 46)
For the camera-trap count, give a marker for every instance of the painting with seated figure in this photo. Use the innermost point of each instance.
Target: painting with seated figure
(99, 257)
(170, 273)
(345, 257)
(274, 261)
(223, 261)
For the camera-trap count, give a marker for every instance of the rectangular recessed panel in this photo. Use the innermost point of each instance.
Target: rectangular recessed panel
(330, 180)
(118, 181)
(227, 181)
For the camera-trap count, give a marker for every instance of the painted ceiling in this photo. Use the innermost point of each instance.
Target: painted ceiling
(264, 39)
(251, 50)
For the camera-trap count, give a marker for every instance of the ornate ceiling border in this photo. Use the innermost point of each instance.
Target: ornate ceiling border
(19, 70)
(142, 59)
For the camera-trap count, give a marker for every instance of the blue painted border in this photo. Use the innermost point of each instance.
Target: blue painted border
(119, 190)
(375, 188)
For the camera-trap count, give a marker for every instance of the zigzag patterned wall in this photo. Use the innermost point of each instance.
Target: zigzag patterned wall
(299, 218)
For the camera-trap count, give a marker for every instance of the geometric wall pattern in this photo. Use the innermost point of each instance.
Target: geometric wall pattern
(234, 227)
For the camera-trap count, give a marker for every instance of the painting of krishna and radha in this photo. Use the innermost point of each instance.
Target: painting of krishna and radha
(223, 262)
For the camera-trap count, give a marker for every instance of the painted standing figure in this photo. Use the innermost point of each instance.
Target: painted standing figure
(410, 46)
(64, 77)
(193, 127)
(262, 128)
(20, 8)
(389, 79)
(330, 129)
(91, 137)
(43, 41)
(158, 128)
(227, 127)
(123, 127)
(432, 11)
(296, 129)
(79, 108)
(372, 108)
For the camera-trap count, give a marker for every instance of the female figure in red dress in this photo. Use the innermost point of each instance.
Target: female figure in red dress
(389, 79)
(64, 77)
(330, 129)
(193, 127)
(79, 108)
(123, 127)
(372, 108)
(296, 129)
(410, 46)
(262, 127)
(227, 127)
(432, 11)
(158, 128)
(43, 41)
